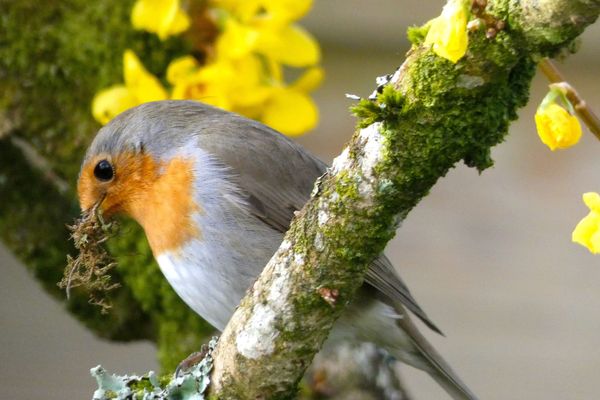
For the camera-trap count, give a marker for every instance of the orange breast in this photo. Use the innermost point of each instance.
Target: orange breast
(158, 195)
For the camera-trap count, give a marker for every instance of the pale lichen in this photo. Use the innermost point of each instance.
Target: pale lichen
(189, 385)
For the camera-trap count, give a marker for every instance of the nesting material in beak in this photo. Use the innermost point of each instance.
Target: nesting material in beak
(90, 269)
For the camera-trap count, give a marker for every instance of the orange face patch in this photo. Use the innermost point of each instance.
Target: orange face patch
(158, 195)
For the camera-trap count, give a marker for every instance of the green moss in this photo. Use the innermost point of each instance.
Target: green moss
(388, 105)
(417, 34)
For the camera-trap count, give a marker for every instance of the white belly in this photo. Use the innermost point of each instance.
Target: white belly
(212, 274)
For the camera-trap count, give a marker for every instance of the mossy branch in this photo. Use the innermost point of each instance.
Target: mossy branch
(431, 115)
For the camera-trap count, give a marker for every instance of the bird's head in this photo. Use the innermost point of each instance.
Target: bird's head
(141, 165)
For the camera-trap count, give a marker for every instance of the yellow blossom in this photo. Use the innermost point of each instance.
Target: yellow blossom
(587, 231)
(287, 10)
(181, 68)
(243, 10)
(291, 45)
(163, 17)
(145, 86)
(291, 112)
(448, 33)
(310, 80)
(140, 87)
(278, 11)
(240, 86)
(245, 71)
(237, 40)
(111, 102)
(287, 44)
(209, 84)
(556, 127)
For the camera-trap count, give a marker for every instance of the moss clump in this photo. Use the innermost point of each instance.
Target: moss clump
(388, 106)
(92, 265)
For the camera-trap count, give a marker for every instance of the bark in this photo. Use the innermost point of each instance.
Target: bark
(431, 115)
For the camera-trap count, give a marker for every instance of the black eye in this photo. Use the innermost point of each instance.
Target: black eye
(104, 171)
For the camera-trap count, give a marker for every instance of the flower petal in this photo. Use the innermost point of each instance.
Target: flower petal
(291, 112)
(587, 231)
(181, 68)
(557, 128)
(448, 33)
(237, 40)
(592, 200)
(310, 80)
(145, 86)
(290, 45)
(111, 102)
(163, 17)
(287, 10)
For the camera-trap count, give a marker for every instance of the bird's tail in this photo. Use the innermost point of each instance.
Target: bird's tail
(432, 362)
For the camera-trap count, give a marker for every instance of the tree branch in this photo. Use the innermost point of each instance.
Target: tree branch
(431, 115)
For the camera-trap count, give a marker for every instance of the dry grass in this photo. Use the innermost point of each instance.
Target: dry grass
(90, 269)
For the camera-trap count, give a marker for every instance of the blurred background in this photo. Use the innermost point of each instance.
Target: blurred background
(488, 256)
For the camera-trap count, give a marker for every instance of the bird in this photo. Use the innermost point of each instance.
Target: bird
(214, 193)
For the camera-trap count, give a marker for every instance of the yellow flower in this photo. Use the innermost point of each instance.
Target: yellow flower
(310, 80)
(240, 86)
(556, 127)
(287, 44)
(287, 10)
(140, 87)
(587, 231)
(163, 17)
(236, 41)
(291, 112)
(290, 45)
(282, 11)
(111, 102)
(448, 34)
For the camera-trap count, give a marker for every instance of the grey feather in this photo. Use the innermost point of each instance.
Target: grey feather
(435, 365)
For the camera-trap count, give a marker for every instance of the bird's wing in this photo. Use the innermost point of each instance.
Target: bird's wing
(383, 276)
(278, 176)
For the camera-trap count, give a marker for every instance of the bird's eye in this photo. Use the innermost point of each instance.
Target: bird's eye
(104, 171)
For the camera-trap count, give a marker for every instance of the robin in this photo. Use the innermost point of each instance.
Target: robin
(215, 193)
